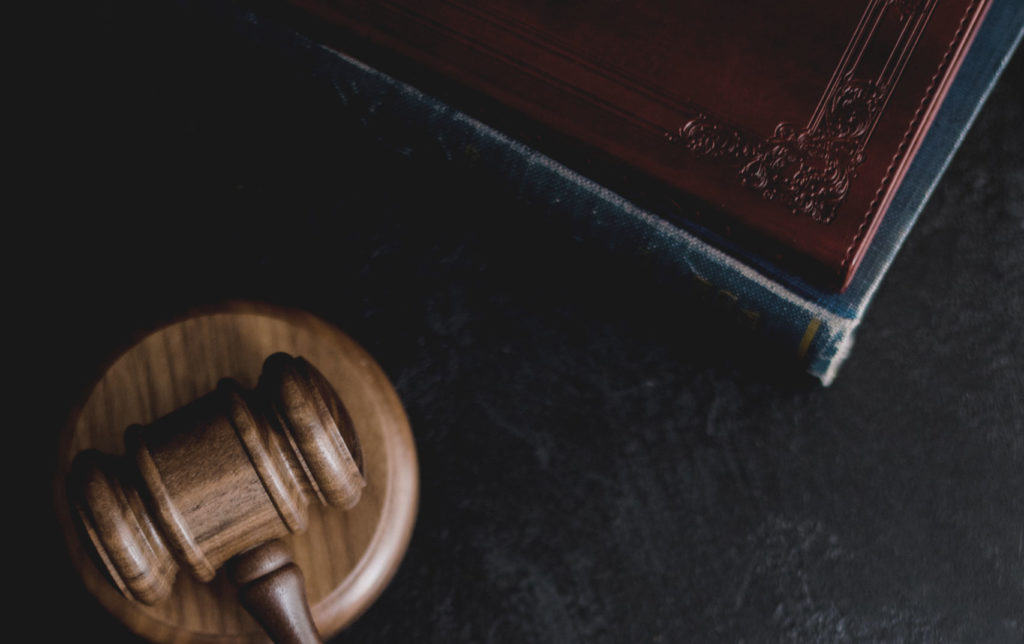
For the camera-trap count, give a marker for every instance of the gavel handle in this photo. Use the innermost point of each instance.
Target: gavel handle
(271, 588)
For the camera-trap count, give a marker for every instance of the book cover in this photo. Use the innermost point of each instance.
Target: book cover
(813, 323)
(787, 125)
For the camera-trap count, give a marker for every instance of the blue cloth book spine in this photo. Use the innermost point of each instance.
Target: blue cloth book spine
(814, 326)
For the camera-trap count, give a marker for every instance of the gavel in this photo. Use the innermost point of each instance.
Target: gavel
(218, 482)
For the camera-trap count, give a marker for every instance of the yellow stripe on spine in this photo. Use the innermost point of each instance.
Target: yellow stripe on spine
(805, 342)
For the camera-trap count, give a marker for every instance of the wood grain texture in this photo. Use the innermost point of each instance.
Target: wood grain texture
(272, 589)
(347, 556)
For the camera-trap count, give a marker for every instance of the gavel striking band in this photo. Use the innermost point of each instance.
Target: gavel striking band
(233, 470)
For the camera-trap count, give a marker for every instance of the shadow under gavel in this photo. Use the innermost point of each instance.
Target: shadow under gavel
(219, 481)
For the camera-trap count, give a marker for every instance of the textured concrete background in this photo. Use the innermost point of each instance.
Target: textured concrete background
(600, 461)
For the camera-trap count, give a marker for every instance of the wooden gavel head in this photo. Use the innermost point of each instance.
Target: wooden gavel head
(234, 469)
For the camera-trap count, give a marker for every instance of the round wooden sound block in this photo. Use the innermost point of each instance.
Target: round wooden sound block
(347, 557)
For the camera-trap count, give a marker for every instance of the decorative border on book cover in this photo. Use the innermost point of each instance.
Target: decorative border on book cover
(809, 169)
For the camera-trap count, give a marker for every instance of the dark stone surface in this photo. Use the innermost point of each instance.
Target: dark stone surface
(600, 461)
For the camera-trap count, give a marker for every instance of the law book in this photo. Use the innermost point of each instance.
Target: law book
(785, 127)
(880, 129)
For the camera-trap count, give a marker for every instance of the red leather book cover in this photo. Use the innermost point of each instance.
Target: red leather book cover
(793, 121)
